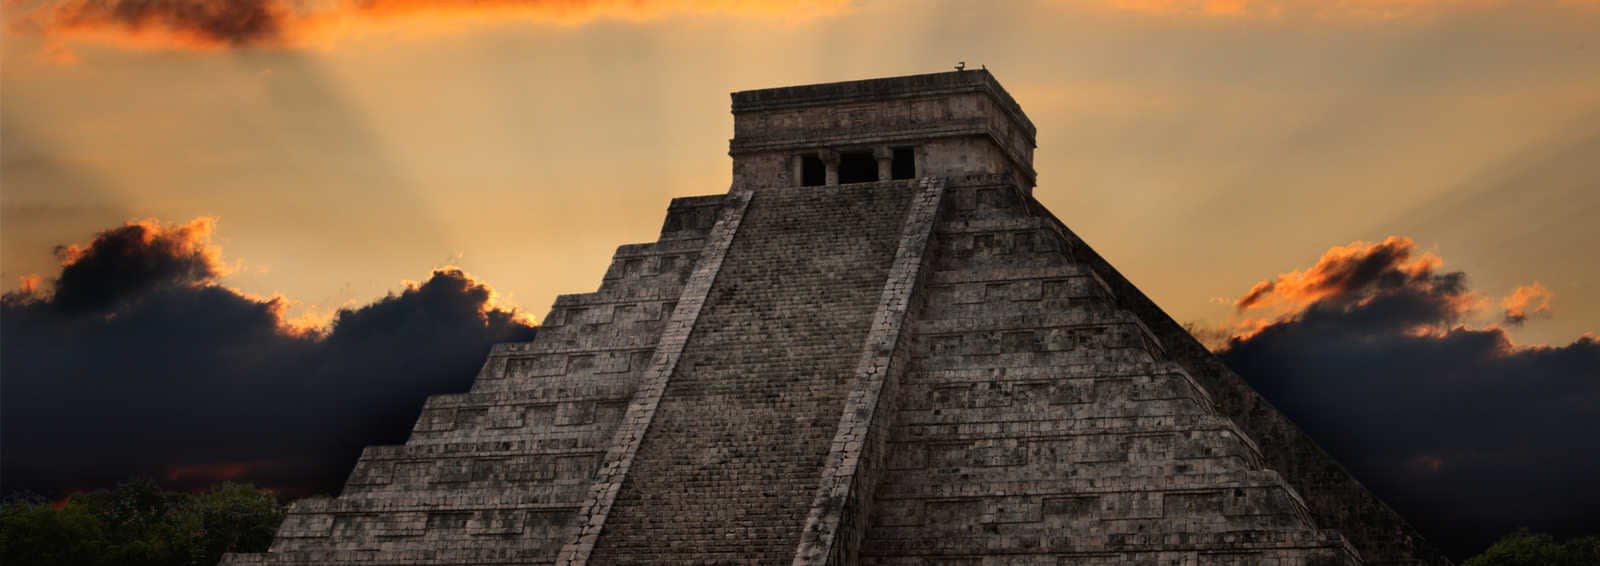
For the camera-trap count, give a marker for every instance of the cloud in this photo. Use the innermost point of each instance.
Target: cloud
(1526, 301)
(209, 25)
(135, 360)
(192, 23)
(1466, 433)
(1390, 272)
(225, 24)
(128, 260)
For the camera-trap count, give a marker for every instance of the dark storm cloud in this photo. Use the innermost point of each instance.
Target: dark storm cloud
(1466, 433)
(192, 22)
(213, 24)
(126, 261)
(140, 363)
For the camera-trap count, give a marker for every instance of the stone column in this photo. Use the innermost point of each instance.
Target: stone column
(830, 159)
(797, 166)
(885, 158)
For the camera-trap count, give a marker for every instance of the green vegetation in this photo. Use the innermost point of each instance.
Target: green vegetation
(139, 524)
(1523, 548)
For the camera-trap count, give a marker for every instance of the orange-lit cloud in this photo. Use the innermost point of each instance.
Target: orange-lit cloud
(1388, 279)
(1526, 301)
(1341, 271)
(188, 243)
(29, 284)
(489, 301)
(583, 11)
(223, 24)
(132, 259)
(226, 24)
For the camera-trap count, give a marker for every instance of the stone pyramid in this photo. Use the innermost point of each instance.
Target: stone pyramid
(876, 348)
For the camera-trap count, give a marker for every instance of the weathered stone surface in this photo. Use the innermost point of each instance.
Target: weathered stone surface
(1040, 421)
(877, 348)
(729, 466)
(496, 475)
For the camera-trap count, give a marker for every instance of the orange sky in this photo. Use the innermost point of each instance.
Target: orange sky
(1203, 146)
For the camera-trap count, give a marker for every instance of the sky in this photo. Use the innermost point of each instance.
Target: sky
(1271, 172)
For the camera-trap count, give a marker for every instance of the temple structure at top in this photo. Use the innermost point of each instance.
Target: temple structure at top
(941, 125)
(876, 348)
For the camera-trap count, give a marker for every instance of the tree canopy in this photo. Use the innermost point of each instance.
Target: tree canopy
(139, 524)
(1524, 548)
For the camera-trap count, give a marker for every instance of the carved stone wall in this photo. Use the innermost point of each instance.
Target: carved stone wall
(1335, 499)
(729, 466)
(919, 372)
(965, 123)
(1040, 421)
(495, 475)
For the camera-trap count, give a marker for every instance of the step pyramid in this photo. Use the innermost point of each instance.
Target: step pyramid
(877, 348)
